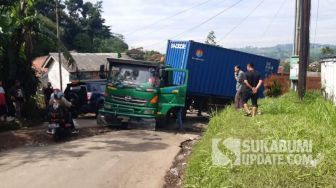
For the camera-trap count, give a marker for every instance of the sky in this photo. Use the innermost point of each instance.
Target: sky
(239, 23)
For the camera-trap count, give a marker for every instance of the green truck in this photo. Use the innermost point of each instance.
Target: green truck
(139, 89)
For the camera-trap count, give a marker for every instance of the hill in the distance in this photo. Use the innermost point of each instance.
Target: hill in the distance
(285, 51)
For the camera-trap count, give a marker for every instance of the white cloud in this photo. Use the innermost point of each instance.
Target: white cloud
(127, 16)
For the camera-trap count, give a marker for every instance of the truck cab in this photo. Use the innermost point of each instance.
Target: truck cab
(139, 89)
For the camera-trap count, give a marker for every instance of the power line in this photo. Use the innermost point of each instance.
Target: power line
(153, 31)
(241, 21)
(272, 20)
(166, 18)
(207, 20)
(316, 20)
(200, 24)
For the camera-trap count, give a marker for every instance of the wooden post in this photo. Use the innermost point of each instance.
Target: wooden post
(304, 46)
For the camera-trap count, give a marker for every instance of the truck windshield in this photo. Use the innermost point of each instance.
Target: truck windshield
(132, 76)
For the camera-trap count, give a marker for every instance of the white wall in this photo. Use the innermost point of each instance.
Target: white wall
(54, 77)
(328, 79)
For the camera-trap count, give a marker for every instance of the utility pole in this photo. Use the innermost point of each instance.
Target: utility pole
(294, 60)
(304, 46)
(297, 30)
(59, 47)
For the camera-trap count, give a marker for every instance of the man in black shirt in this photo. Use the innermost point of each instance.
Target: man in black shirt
(252, 83)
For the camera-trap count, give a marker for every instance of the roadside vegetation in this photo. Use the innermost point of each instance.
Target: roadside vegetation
(282, 118)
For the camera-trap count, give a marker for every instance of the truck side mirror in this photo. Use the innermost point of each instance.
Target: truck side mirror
(102, 74)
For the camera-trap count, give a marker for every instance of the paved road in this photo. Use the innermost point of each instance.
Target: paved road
(125, 158)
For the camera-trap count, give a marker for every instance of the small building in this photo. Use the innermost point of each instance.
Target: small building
(86, 67)
(328, 78)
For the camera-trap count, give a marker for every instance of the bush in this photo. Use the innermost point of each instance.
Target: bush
(33, 108)
(275, 86)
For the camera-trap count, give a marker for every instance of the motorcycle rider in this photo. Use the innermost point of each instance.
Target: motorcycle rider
(57, 98)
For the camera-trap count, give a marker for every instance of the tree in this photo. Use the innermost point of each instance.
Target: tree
(211, 38)
(327, 51)
(19, 23)
(136, 53)
(113, 44)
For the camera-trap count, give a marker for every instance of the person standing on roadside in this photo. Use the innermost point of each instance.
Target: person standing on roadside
(17, 97)
(3, 107)
(252, 83)
(239, 76)
(47, 94)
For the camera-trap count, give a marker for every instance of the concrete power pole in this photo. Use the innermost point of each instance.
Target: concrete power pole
(304, 46)
(294, 64)
(297, 30)
(59, 47)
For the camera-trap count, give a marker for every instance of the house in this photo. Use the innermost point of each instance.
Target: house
(86, 66)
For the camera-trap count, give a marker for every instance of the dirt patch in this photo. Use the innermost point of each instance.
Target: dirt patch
(37, 136)
(175, 174)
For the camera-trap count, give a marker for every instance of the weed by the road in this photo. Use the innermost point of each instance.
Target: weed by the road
(284, 118)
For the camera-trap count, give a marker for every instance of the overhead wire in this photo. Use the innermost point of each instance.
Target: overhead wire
(241, 21)
(316, 20)
(271, 22)
(200, 24)
(207, 20)
(166, 18)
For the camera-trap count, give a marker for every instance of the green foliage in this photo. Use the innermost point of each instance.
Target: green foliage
(114, 44)
(20, 27)
(140, 54)
(282, 118)
(82, 42)
(82, 27)
(211, 38)
(136, 53)
(327, 51)
(275, 90)
(286, 66)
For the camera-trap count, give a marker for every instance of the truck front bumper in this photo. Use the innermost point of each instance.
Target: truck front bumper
(120, 111)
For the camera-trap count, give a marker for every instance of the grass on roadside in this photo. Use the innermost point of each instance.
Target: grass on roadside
(283, 118)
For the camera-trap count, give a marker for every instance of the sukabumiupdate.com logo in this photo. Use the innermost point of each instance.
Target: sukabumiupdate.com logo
(234, 151)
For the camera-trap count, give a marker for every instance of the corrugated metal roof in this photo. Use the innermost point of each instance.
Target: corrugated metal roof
(85, 61)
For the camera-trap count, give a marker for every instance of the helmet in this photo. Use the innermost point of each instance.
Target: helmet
(58, 95)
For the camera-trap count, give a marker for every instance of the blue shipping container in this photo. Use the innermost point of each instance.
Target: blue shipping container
(211, 68)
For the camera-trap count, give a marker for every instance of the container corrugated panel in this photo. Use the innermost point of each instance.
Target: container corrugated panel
(211, 67)
(328, 78)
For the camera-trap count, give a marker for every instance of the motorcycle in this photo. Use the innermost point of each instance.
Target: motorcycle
(60, 122)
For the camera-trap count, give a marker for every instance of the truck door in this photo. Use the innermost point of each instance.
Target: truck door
(173, 89)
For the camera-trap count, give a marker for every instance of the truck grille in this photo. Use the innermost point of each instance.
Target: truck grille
(128, 99)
